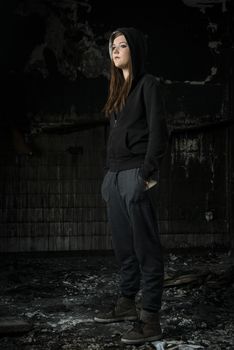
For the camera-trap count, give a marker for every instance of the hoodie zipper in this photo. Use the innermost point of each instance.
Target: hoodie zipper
(115, 122)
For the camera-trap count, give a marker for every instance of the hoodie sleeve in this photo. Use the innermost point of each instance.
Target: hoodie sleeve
(158, 131)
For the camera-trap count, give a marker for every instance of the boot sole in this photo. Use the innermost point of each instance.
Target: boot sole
(112, 320)
(141, 340)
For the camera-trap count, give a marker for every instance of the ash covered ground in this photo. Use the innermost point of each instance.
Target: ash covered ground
(57, 295)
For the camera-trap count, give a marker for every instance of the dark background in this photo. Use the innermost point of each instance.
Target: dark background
(71, 42)
(54, 68)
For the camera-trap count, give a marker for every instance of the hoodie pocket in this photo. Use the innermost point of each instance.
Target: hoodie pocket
(118, 144)
(137, 141)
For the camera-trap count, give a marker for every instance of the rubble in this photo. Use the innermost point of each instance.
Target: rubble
(58, 295)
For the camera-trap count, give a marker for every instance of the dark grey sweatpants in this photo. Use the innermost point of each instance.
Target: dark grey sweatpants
(135, 235)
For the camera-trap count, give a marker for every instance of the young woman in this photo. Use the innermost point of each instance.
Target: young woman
(137, 142)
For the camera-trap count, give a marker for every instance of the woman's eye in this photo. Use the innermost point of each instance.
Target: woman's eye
(120, 46)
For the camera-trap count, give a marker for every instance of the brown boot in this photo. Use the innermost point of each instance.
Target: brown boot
(125, 310)
(147, 329)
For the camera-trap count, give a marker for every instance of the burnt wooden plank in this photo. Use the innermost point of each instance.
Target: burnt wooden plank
(195, 240)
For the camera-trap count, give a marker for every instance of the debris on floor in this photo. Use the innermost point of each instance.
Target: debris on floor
(11, 326)
(48, 301)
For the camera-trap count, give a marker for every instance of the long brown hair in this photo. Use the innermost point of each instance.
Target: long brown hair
(119, 88)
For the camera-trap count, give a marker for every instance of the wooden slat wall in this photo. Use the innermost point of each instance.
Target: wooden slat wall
(52, 200)
(194, 192)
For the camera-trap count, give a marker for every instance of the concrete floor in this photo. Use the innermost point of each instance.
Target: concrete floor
(58, 294)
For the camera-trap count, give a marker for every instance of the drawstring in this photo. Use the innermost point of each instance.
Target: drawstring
(116, 178)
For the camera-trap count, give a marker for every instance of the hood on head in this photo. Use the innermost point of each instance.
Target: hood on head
(138, 48)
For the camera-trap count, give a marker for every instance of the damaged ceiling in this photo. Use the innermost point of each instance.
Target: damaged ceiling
(204, 4)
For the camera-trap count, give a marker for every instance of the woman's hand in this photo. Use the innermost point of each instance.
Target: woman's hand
(149, 183)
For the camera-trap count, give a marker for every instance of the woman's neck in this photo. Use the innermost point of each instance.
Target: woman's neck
(125, 73)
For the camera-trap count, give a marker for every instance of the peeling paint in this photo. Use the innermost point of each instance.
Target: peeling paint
(210, 76)
(69, 38)
(209, 216)
(185, 151)
(212, 161)
(189, 150)
(212, 27)
(215, 45)
(204, 4)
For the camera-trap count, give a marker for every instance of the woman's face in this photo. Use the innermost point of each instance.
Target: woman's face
(120, 52)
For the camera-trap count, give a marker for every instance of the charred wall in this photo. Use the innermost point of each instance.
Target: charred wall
(51, 200)
(53, 135)
(198, 187)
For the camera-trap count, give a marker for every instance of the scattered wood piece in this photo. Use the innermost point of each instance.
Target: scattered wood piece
(171, 281)
(10, 325)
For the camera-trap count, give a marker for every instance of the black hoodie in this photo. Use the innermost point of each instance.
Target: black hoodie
(138, 133)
